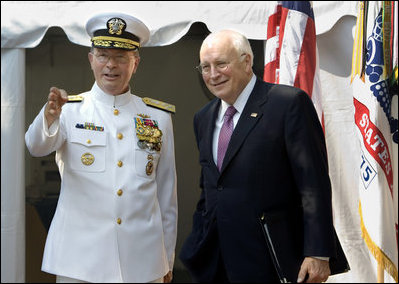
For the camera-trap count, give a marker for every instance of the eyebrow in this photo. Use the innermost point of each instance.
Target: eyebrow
(217, 61)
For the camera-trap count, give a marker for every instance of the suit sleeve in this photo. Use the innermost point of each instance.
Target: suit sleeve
(306, 149)
(201, 203)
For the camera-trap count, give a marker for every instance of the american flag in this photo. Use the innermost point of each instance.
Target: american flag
(291, 55)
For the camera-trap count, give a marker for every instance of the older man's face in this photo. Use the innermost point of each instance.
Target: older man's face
(113, 69)
(227, 71)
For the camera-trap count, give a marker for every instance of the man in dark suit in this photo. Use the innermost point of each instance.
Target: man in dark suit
(274, 167)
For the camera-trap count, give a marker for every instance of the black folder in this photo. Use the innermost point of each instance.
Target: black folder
(279, 230)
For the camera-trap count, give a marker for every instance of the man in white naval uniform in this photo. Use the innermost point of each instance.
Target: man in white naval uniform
(116, 218)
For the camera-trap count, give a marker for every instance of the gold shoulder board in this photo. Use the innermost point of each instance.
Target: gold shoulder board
(159, 104)
(75, 98)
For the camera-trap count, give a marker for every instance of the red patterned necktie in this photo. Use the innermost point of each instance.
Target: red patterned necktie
(225, 134)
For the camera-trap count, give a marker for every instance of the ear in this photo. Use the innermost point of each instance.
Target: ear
(91, 58)
(136, 63)
(248, 63)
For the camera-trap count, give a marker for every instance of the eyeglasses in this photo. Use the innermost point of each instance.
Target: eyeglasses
(104, 58)
(219, 66)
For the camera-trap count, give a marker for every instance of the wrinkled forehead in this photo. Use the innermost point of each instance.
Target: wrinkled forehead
(217, 48)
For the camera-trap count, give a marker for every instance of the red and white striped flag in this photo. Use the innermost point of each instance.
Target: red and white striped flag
(372, 98)
(291, 56)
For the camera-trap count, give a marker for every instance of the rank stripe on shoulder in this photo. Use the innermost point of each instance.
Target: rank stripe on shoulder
(75, 98)
(159, 104)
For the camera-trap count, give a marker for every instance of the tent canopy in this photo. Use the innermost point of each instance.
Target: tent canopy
(168, 21)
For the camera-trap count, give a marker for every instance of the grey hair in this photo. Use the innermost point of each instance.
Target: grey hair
(240, 42)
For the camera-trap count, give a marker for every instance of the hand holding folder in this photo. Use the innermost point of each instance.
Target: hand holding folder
(285, 250)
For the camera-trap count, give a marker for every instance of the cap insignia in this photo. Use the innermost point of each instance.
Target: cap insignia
(116, 26)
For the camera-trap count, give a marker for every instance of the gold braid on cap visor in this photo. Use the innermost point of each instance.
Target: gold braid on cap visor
(117, 42)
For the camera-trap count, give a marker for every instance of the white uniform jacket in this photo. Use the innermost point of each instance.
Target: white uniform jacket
(116, 218)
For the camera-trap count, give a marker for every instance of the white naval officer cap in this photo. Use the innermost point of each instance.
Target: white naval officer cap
(117, 30)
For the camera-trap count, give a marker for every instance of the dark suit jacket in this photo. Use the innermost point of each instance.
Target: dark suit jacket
(275, 164)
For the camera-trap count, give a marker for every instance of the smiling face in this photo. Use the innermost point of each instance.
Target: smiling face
(113, 69)
(228, 82)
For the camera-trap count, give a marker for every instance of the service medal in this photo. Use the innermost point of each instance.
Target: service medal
(150, 165)
(148, 134)
(149, 168)
(87, 159)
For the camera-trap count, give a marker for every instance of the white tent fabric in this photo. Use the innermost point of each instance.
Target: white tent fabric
(23, 25)
(12, 165)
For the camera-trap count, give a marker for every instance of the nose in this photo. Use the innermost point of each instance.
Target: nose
(112, 61)
(213, 72)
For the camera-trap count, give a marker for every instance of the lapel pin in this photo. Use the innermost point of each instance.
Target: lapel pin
(254, 114)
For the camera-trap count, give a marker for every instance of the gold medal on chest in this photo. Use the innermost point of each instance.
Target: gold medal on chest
(148, 133)
(87, 159)
(150, 166)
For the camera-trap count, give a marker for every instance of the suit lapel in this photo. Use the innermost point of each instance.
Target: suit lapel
(209, 129)
(250, 116)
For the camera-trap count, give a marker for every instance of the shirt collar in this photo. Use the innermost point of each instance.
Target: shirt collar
(108, 99)
(241, 101)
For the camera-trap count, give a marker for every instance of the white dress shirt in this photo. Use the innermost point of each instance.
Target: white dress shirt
(239, 105)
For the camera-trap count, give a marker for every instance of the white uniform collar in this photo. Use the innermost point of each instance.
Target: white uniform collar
(108, 99)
